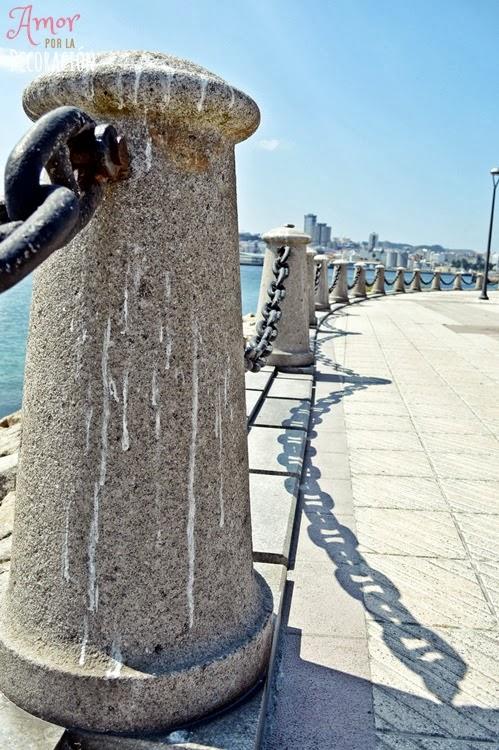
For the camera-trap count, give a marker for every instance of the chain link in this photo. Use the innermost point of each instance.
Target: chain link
(427, 283)
(259, 347)
(447, 283)
(335, 279)
(36, 219)
(317, 278)
(372, 283)
(355, 278)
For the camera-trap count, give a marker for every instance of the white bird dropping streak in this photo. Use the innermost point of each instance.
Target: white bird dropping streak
(191, 551)
(84, 641)
(93, 589)
(154, 388)
(220, 467)
(168, 351)
(148, 154)
(65, 549)
(116, 661)
(168, 287)
(125, 438)
(204, 84)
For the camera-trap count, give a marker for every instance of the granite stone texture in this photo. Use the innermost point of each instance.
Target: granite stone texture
(273, 505)
(322, 293)
(312, 321)
(134, 417)
(359, 290)
(340, 291)
(291, 346)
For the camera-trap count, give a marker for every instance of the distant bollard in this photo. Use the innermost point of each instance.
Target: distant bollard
(479, 282)
(340, 291)
(311, 270)
(435, 284)
(416, 281)
(458, 281)
(379, 283)
(359, 289)
(291, 347)
(322, 291)
(132, 602)
(399, 285)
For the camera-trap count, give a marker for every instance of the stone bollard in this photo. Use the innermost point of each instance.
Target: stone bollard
(340, 291)
(416, 281)
(322, 292)
(359, 289)
(458, 281)
(312, 321)
(399, 286)
(435, 284)
(379, 284)
(132, 603)
(479, 282)
(291, 347)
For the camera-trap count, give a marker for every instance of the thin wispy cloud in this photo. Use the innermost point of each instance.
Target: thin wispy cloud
(270, 144)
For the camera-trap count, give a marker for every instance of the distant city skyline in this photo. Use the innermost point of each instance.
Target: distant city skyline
(386, 123)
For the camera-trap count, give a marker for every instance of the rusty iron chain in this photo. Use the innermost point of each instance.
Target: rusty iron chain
(372, 283)
(317, 278)
(427, 283)
(37, 218)
(335, 279)
(260, 346)
(355, 279)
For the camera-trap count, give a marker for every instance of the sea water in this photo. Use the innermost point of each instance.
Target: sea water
(14, 319)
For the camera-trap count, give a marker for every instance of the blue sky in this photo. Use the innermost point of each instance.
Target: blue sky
(379, 115)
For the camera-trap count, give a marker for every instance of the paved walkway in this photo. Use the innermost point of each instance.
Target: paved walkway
(390, 637)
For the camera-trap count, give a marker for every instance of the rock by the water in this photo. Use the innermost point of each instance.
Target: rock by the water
(7, 515)
(10, 434)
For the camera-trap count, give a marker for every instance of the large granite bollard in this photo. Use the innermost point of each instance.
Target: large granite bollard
(416, 281)
(479, 282)
(132, 603)
(310, 255)
(435, 284)
(458, 281)
(359, 289)
(399, 285)
(322, 291)
(379, 283)
(340, 291)
(291, 347)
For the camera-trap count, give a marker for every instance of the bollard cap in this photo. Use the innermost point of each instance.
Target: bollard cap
(286, 235)
(379, 265)
(146, 85)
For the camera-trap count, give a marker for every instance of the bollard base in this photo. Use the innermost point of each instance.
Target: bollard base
(131, 700)
(339, 300)
(290, 359)
(322, 308)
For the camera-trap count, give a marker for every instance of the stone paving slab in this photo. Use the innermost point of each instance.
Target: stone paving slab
(405, 493)
(291, 387)
(252, 401)
(284, 412)
(22, 731)
(258, 381)
(276, 450)
(418, 671)
(273, 504)
(404, 532)
(430, 590)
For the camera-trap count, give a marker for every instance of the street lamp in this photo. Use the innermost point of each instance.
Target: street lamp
(495, 181)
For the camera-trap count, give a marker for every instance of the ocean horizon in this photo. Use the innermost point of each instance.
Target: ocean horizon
(14, 322)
